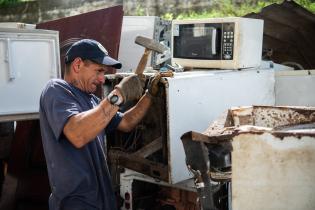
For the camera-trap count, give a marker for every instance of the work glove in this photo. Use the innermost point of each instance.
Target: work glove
(153, 87)
(131, 87)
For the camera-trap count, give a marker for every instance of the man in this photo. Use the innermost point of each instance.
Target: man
(73, 124)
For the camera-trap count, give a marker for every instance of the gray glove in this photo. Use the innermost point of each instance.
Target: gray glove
(131, 87)
(153, 87)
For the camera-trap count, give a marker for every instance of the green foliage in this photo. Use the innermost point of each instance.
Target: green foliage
(307, 4)
(226, 8)
(4, 3)
(11, 3)
(139, 10)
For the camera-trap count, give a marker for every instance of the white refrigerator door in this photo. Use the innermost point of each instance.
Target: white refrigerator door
(28, 60)
(130, 52)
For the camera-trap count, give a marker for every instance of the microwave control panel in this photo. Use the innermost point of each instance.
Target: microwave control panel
(227, 41)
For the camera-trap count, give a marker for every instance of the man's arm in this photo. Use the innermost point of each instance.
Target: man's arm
(84, 127)
(134, 115)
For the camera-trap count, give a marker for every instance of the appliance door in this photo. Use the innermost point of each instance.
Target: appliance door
(199, 41)
(30, 60)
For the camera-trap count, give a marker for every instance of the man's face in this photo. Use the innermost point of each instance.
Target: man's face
(91, 75)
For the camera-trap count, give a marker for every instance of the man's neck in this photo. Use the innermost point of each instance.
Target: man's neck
(71, 80)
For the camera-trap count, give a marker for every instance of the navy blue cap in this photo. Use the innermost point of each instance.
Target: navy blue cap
(91, 50)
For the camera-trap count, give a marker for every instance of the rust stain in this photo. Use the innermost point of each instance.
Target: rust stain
(280, 121)
(280, 175)
(280, 116)
(282, 135)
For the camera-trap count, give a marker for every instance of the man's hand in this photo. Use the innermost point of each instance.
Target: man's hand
(131, 87)
(153, 88)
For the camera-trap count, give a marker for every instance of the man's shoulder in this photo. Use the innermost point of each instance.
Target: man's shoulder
(55, 87)
(54, 82)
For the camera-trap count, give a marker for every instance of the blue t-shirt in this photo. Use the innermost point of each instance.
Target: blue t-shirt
(79, 178)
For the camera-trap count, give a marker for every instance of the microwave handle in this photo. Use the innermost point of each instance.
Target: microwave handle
(213, 45)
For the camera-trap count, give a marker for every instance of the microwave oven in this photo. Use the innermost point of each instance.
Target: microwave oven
(220, 43)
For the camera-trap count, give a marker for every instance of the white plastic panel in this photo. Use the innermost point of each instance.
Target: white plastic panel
(129, 52)
(28, 59)
(248, 53)
(295, 88)
(195, 99)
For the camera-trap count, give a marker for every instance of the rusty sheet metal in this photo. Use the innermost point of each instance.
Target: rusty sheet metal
(103, 25)
(272, 154)
(281, 121)
(275, 161)
(272, 117)
(289, 34)
(210, 139)
(273, 173)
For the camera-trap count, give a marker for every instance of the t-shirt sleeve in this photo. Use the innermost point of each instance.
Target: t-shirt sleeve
(59, 105)
(112, 125)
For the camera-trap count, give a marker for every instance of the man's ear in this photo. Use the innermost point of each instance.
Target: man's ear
(76, 64)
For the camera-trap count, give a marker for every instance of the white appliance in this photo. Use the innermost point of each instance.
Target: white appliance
(224, 43)
(195, 99)
(190, 101)
(148, 26)
(294, 88)
(28, 59)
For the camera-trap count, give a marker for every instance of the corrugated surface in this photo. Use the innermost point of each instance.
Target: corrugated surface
(289, 32)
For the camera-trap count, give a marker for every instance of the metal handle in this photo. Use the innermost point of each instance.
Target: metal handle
(8, 59)
(213, 45)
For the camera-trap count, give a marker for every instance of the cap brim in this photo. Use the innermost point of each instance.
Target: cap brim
(108, 61)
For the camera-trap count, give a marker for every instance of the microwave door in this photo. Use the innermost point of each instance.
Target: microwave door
(197, 41)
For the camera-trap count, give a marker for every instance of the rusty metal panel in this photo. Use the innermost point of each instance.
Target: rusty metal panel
(273, 173)
(272, 117)
(103, 25)
(272, 154)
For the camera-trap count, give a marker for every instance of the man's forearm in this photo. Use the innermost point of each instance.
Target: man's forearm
(84, 127)
(134, 115)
